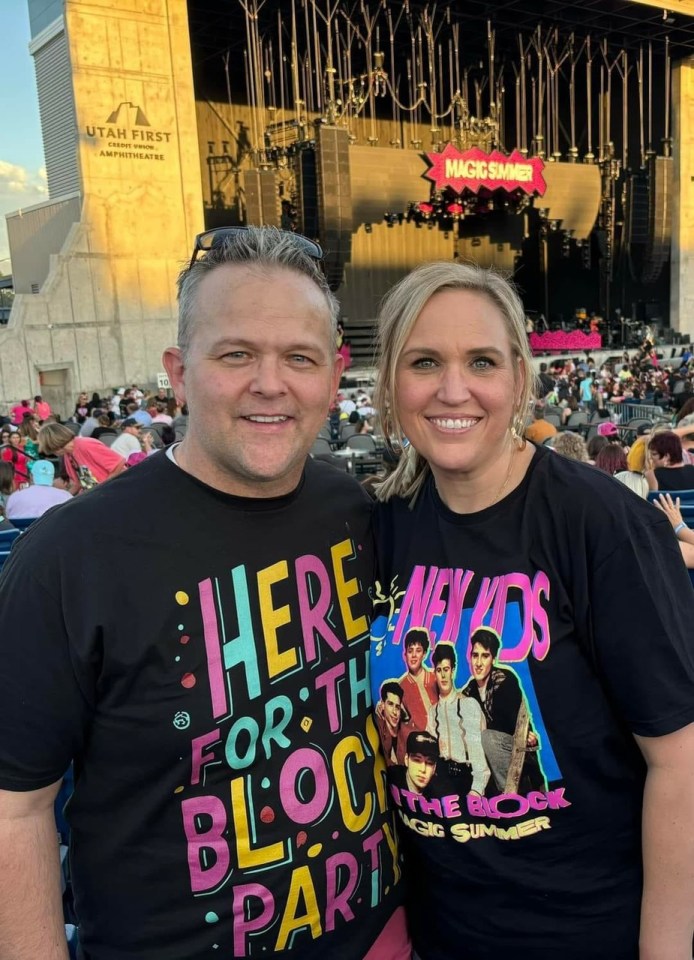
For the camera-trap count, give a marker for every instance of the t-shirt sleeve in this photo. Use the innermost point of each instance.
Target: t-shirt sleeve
(44, 705)
(641, 612)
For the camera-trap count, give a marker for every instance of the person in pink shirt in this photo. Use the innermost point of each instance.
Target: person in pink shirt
(17, 412)
(41, 408)
(88, 462)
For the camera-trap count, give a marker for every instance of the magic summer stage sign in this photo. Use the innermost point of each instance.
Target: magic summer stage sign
(475, 170)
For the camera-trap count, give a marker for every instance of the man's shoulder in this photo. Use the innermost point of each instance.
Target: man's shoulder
(324, 479)
(108, 506)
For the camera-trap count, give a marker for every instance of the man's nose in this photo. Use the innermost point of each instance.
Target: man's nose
(268, 377)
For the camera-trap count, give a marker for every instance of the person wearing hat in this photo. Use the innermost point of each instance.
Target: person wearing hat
(609, 430)
(129, 439)
(420, 763)
(41, 495)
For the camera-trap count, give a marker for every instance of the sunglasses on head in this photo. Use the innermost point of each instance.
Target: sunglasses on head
(204, 242)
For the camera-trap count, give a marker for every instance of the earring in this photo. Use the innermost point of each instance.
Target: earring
(516, 429)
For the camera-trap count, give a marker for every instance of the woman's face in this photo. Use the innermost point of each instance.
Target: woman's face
(15, 439)
(457, 385)
(5, 436)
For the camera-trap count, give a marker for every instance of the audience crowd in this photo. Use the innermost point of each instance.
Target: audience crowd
(627, 417)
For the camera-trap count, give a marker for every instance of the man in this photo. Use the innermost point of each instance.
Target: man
(35, 500)
(546, 381)
(228, 786)
(540, 429)
(143, 417)
(393, 726)
(420, 763)
(419, 683)
(509, 743)
(91, 423)
(458, 725)
(129, 439)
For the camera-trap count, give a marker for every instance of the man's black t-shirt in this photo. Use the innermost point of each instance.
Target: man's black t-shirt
(203, 658)
(584, 583)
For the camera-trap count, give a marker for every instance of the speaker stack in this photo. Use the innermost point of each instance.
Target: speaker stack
(262, 197)
(334, 197)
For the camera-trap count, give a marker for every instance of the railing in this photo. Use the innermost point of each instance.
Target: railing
(622, 413)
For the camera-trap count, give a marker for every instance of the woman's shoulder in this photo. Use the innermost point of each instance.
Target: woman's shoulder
(585, 496)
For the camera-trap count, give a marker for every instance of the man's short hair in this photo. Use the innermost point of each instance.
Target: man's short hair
(417, 635)
(444, 651)
(264, 247)
(487, 638)
(391, 686)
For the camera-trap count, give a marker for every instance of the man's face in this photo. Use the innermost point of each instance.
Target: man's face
(444, 677)
(392, 707)
(481, 661)
(414, 656)
(258, 379)
(420, 770)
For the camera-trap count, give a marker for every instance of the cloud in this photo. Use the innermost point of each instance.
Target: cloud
(18, 180)
(19, 187)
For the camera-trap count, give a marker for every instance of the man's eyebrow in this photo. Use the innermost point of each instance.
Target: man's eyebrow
(241, 343)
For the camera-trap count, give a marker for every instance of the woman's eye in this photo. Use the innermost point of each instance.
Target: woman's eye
(424, 363)
(482, 363)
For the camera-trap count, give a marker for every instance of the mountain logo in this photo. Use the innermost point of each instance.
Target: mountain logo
(130, 114)
(127, 134)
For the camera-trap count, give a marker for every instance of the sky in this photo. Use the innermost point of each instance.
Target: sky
(22, 171)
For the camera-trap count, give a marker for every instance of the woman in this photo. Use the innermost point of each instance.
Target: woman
(81, 408)
(14, 455)
(673, 511)
(86, 461)
(666, 469)
(6, 489)
(29, 435)
(611, 459)
(585, 588)
(571, 445)
(594, 446)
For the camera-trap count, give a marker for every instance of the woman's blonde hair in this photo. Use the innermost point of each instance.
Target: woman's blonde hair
(54, 437)
(399, 312)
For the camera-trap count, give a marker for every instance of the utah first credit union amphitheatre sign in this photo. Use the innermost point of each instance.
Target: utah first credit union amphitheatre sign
(475, 170)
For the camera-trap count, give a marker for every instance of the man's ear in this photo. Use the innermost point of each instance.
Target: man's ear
(175, 368)
(338, 367)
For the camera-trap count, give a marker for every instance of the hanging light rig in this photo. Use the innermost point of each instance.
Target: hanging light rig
(350, 66)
